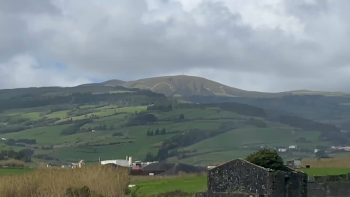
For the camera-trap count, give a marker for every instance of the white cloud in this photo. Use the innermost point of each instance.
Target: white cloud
(24, 71)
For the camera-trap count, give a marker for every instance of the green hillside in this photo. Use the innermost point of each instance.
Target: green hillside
(206, 134)
(117, 118)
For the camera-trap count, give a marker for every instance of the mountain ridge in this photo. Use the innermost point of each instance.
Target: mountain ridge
(171, 86)
(184, 85)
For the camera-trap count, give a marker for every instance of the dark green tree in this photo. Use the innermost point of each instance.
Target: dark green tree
(266, 158)
(163, 131)
(181, 117)
(150, 157)
(157, 132)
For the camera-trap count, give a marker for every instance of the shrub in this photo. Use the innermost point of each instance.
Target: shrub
(267, 159)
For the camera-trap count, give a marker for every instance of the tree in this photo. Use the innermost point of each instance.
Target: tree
(181, 117)
(148, 133)
(150, 157)
(151, 133)
(157, 132)
(162, 154)
(163, 131)
(266, 158)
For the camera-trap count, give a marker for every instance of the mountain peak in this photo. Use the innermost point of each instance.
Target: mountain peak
(184, 86)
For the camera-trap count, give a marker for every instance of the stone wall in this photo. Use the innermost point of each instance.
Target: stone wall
(288, 184)
(206, 194)
(238, 175)
(329, 189)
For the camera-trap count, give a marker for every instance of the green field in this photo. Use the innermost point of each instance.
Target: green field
(91, 142)
(199, 183)
(326, 171)
(190, 185)
(5, 172)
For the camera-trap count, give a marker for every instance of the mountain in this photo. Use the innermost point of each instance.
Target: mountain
(183, 86)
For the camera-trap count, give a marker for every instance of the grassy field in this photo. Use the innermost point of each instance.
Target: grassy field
(5, 172)
(101, 180)
(326, 171)
(190, 184)
(89, 146)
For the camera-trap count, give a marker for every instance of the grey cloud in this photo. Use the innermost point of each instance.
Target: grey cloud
(124, 39)
(27, 7)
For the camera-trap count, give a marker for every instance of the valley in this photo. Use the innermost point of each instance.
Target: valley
(64, 125)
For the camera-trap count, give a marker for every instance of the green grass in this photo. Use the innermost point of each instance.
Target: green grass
(57, 114)
(190, 184)
(199, 183)
(31, 115)
(5, 172)
(252, 136)
(325, 171)
(211, 158)
(43, 135)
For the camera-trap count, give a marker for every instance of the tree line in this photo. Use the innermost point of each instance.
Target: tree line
(169, 146)
(156, 132)
(78, 98)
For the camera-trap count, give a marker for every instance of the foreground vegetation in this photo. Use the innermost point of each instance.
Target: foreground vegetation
(94, 179)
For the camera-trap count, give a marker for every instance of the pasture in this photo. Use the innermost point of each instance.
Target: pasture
(185, 183)
(132, 140)
(9, 171)
(325, 171)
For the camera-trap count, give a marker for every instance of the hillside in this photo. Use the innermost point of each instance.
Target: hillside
(167, 130)
(183, 86)
(172, 86)
(205, 126)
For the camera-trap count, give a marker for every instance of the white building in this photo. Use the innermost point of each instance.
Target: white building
(119, 162)
(128, 162)
(292, 147)
(282, 150)
(346, 148)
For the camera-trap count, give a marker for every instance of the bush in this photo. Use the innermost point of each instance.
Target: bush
(267, 159)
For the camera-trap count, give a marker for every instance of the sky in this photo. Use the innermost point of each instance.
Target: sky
(265, 45)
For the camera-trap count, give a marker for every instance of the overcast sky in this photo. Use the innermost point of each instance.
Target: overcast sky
(263, 45)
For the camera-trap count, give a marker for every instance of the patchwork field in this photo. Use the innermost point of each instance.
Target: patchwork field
(111, 134)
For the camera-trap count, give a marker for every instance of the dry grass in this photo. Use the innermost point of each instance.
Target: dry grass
(12, 163)
(327, 163)
(51, 182)
(152, 178)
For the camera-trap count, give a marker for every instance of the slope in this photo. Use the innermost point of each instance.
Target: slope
(183, 86)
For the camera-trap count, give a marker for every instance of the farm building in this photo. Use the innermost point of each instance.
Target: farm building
(128, 162)
(296, 163)
(247, 178)
(120, 162)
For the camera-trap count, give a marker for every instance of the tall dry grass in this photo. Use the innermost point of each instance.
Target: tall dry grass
(51, 182)
(327, 163)
(12, 163)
